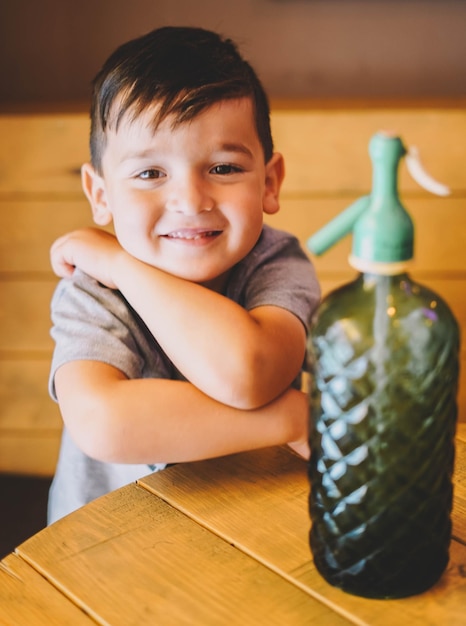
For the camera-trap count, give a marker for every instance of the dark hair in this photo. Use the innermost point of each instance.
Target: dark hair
(183, 69)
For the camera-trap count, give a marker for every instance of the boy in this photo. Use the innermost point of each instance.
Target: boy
(181, 337)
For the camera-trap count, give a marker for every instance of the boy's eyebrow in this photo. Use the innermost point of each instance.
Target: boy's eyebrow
(235, 147)
(224, 147)
(138, 154)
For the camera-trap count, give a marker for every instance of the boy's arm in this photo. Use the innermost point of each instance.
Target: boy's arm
(240, 358)
(114, 419)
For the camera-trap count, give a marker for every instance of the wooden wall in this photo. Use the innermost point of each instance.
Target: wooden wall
(327, 168)
(40, 198)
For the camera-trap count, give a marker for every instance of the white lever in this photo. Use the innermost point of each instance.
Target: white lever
(425, 180)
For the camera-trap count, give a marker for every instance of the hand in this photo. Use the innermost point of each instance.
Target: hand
(301, 444)
(301, 448)
(92, 250)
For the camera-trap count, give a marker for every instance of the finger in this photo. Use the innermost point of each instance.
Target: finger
(60, 264)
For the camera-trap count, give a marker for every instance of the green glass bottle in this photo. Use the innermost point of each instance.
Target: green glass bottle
(383, 352)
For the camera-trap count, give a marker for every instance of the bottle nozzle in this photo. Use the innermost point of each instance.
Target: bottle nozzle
(337, 228)
(425, 180)
(383, 231)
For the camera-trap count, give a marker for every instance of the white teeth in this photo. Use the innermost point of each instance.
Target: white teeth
(180, 235)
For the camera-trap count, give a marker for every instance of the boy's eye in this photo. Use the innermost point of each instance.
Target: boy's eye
(225, 169)
(150, 174)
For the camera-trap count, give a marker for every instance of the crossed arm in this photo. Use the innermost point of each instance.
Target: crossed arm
(239, 365)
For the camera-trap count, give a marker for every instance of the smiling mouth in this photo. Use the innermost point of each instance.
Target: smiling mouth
(192, 234)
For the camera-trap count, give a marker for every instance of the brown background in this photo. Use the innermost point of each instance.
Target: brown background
(50, 49)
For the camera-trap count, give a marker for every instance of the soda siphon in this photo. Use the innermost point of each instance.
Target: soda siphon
(383, 353)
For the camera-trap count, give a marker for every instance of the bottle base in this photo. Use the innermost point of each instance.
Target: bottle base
(370, 586)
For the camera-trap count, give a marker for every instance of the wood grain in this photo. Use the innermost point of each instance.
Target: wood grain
(27, 599)
(241, 496)
(29, 227)
(25, 315)
(216, 542)
(25, 404)
(43, 153)
(326, 150)
(459, 508)
(131, 559)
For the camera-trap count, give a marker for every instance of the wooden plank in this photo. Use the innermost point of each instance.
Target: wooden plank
(129, 558)
(459, 511)
(327, 150)
(25, 315)
(461, 432)
(28, 229)
(259, 501)
(50, 148)
(30, 422)
(26, 598)
(25, 403)
(32, 453)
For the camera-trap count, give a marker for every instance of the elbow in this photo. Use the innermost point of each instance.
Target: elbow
(250, 385)
(94, 432)
(90, 396)
(248, 397)
(94, 442)
(236, 395)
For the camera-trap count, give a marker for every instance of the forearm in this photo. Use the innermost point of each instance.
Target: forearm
(238, 357)
(152, 420)
(220, 347)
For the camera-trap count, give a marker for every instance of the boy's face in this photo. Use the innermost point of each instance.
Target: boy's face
(190, 199)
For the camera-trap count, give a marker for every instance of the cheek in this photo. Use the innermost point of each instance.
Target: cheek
(251, 211)
(131, 229)
(247, 225)
(132, 214)
(247, 207)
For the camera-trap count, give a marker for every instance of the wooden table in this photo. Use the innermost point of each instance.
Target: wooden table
(210, 543)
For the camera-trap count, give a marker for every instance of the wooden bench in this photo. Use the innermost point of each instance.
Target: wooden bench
(325, 147)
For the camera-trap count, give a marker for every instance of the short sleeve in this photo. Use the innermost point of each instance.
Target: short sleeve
(91, 322)
(277, 272)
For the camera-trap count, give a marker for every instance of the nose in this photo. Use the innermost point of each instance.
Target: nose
(189, 195)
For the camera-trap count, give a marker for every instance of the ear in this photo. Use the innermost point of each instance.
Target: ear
(94, 187)
(274, 175)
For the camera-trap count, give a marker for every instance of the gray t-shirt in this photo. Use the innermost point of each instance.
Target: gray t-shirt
(92, 322)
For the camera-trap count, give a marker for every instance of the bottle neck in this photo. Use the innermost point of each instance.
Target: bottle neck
(377, 268)
(384, 184)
